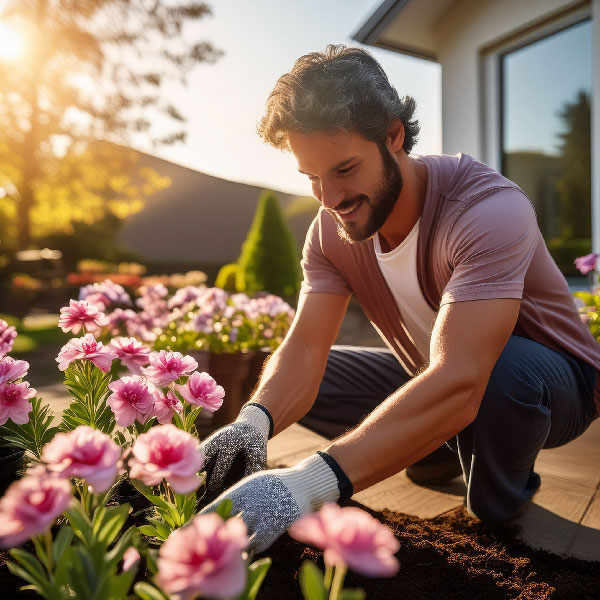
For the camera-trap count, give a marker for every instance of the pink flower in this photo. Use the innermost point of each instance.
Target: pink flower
(131, 352)
(132, 399)
(204, 558)
(85, 348)
(131, 557)
(7, 337)
(165, 406)
(14, 402)
(166, 367)
(352, 537)
(11, 369)
(30, 505)
(166, 452)
(202, 389)
(81, 314)
(85, 453)
(587, 263)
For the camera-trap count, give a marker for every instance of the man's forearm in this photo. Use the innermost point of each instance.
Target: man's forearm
(411, 423)
(290, 382)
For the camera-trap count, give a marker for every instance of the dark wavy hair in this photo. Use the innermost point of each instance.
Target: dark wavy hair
(339, 89)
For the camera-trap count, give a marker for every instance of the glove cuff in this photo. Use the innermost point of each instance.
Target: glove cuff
(312, 482)
(258, 416)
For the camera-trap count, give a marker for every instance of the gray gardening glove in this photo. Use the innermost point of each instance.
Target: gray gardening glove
(270, 501)
(244, 443)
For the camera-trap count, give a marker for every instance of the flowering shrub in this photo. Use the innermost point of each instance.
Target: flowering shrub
(588, 303)
(141, 427)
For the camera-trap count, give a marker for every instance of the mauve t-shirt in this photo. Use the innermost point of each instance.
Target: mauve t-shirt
(478, 240)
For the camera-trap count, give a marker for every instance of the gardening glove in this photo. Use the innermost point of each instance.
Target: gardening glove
(237, 450)
(270, 501)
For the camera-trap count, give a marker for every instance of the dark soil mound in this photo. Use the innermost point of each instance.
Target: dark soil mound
(449, 557)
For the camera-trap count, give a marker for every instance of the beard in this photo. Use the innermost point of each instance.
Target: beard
(380, 205)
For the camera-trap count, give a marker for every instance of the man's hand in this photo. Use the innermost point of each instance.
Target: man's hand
(269, 502)
(243, 441)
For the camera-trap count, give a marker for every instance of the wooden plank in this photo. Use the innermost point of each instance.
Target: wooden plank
(586, 543)
(577, 461)
(552, 521)
(292, 445)
(399, 494)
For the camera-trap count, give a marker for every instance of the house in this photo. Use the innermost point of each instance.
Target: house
(520, 86)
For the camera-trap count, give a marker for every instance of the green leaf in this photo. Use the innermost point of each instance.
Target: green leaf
(353, 594)
(80, 523)
(256, 575)
(311, 582)
(224, 508)
(119, 584)
(30, 563)
(145, 591)
(151, 556)
(162, 529)
(110, 523)
(148, 530)
(148, 494)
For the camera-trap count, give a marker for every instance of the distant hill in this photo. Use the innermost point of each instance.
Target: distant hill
(200, 218)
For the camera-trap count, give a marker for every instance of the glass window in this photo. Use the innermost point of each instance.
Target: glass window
(546, 89)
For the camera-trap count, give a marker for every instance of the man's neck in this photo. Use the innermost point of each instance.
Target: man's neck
(408, 207)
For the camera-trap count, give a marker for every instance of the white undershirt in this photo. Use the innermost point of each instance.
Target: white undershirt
(399, 268)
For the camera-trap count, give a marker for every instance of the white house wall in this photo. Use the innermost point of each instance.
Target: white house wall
(467, 29)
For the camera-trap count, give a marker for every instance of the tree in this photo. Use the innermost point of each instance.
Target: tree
(92, 69)
(269, 260)
(574, 186)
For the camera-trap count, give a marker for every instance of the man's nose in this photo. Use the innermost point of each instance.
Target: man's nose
(330, 195)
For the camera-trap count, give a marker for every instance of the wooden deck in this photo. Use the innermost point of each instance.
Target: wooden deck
(564, 517)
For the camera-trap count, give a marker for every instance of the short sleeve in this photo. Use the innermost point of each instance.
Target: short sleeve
(490, 248)
(320, 275)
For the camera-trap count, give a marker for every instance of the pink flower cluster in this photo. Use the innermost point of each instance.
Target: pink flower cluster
(202, 390)
(132, 399)
(166, 367)
(352, 537)
(80, 314)
(131, 352)
(204, 558)
(7, 337)
(85, 453)
(587, 263)
(31, 505)
(105, 294)
(168, 453)
(14, 402)
(85, 348)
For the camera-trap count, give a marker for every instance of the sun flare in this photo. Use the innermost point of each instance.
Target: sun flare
(12, 44)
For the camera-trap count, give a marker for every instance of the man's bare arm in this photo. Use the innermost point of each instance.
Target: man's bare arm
(467, 340)
(291, 379)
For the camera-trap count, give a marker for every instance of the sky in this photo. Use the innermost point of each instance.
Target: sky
(534, 95)
(261, 39)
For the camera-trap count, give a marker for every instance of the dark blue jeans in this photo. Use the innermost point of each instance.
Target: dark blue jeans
(536, 398)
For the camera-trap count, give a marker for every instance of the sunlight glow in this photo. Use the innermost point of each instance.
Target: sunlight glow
(12, 44)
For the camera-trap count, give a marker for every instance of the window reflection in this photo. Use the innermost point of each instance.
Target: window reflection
(546, 88)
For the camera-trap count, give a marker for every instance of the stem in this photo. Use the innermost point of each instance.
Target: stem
(48, 541)
(338, 582)
(328, 576)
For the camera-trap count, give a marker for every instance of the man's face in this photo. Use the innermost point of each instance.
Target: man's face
(356, 180)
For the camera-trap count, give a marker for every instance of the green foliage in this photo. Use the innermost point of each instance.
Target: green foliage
(227, 276)
(311, 582)
(269, 260)
(31, 436)
(257, 572)
(565, 251)
(83, 559)
(88, 386)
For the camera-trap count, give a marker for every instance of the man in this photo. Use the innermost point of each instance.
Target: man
(446, 259)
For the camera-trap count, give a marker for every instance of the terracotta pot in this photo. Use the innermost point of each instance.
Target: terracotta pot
(229, 370)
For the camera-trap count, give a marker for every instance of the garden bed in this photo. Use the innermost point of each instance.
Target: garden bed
(449, 557)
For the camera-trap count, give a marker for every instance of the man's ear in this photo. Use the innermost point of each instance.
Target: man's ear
(395, 135)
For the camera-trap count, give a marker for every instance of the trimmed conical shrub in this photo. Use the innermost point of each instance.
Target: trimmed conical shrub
(269, 261)
(226, 279)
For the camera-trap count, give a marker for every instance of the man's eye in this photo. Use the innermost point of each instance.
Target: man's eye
(346, 170)
(312, 178)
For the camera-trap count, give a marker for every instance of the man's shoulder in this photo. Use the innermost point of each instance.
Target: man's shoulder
(462, 177)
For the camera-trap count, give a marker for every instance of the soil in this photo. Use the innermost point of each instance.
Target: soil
(449, 557)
